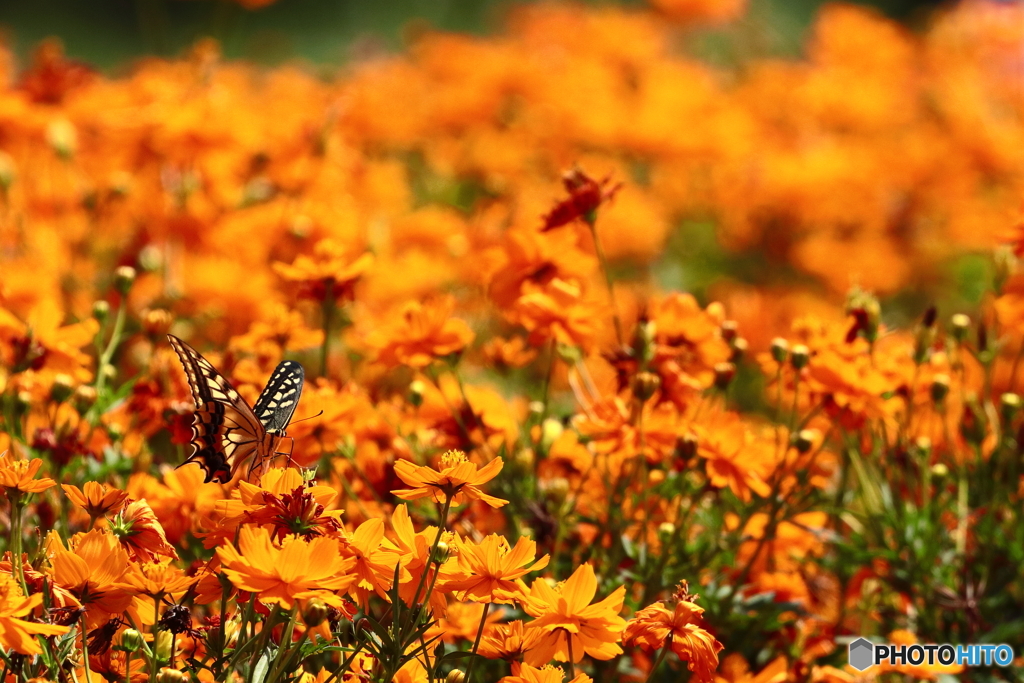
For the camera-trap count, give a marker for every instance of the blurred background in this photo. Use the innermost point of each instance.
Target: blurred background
(110, 33)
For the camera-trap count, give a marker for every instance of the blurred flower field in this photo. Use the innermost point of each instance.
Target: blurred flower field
(619, 365)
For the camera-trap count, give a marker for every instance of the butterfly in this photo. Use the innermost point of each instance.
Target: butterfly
(226, 432)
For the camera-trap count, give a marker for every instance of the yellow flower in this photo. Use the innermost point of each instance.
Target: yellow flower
(492, 566)
(280, 573)
(459, 480)
(572, 626)
(18, 634)
(19, 475)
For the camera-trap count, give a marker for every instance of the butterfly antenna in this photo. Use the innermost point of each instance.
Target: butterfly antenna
(311, 417)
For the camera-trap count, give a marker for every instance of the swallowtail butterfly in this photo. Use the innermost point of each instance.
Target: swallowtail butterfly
(226, 432)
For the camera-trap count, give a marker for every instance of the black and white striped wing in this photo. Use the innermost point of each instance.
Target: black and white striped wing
(225, 431)
(277, 403)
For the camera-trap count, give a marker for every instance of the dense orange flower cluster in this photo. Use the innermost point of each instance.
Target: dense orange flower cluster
(517, 443)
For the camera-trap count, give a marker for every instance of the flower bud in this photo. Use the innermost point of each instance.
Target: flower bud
(62, 137)
(780, 350)
(416, 390)
(100, 311)
(724, 373)
(645, 384)
(800, 355)
(156, 321)
(23, 399)
(7, 171)
(1005, 262)
(442, 553)
(124, 277)
(83, 398)
(804, 440)
(939, 470)
(150, 258)
(729, 330)
(940, 388)
(63, 386)
(169, 675)
(665, 531)
(924, 336)
(923, 444)
(960, 324)
(314, 612)
(557, 488)
(646, 333)
(131, 640)
(1009, 404)
(550, 430)
(739, 349)
(536, 408)
(455, 676)
(686, 447)
(524, 458)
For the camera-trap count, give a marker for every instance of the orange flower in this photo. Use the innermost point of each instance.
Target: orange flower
(492, 566)
(95, 498)
(139, 531)
(281, 573)
(285, 503)
(373, 560)
(420, 334)
(414, 551)
(332, 271)
(92, 570)
(548, 674)
(558, 311)
(458, 481)
(585, 196)
(19, 475)
(659, 626)
(508, 353)
(572, 626)
(17, 634)
(509, 641)
(734, 669)
(157, 579)
(461, 621)
(41, 343)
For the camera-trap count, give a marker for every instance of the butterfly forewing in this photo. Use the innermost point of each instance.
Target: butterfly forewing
(226, 432)
(277, 403)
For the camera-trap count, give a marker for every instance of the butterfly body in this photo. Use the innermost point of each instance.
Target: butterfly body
(226, 431)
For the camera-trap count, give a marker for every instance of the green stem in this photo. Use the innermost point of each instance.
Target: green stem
(108, 353)
(599, 250)
(17, 506)
(476, 643)
(661, 658)
(85, 648)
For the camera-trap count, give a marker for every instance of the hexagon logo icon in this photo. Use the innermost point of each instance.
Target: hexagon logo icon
(861, 654)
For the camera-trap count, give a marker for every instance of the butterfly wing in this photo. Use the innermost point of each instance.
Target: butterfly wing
(225, 430)
(277, 403)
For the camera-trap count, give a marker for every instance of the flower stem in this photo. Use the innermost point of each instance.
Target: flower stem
(661, 658)
(599, 250)
(17, 506)
(476, 643)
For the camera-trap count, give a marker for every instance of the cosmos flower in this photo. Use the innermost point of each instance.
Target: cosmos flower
(458, 481)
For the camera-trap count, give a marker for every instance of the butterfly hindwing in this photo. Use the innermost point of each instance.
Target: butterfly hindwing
(277, 403)
(226, 432)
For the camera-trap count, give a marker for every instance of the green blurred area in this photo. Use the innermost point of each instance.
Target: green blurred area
(112, 33)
